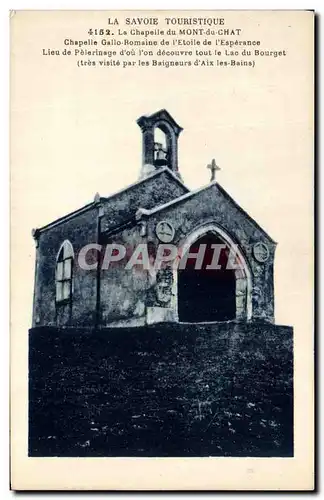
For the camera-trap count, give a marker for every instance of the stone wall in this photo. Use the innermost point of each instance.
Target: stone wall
(79, 230)
(212, 206)
(168, 390)
(156, 190)
(123, 292)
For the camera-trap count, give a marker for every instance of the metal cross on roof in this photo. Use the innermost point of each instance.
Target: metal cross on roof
(213, 168)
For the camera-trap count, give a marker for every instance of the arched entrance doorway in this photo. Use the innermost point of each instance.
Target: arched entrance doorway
(208, 288)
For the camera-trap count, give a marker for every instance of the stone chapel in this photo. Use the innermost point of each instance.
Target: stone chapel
(157, 209)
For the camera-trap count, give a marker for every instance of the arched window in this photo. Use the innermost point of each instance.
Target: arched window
(160, 147)
(63, 277)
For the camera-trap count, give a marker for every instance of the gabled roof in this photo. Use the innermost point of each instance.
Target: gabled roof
(98, 199)
(64, 218)
(180, 199)
(145, 179)
(225, 193)
(192, 194)
(162, 114)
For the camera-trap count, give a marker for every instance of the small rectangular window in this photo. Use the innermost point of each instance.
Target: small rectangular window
(59, 271)
(59, 291)
(66, 289)
(67, 269)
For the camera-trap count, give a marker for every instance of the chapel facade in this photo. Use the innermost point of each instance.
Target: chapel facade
(156, 210)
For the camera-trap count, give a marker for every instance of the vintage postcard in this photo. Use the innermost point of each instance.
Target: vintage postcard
(162, 250)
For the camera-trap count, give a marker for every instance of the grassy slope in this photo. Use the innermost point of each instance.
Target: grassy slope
(171, 390)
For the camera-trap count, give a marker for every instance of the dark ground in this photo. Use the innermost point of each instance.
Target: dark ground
(169, 390)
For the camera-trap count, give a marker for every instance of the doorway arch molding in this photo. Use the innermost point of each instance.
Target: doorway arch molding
(243, 276)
